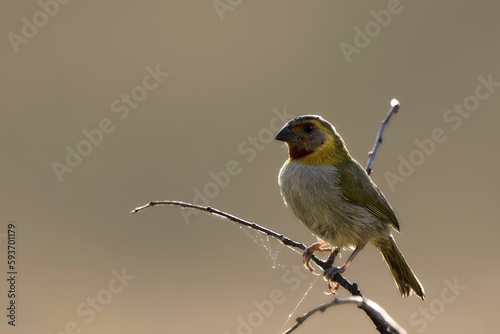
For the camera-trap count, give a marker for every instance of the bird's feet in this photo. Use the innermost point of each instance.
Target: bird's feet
(329, 274)
(309, 252)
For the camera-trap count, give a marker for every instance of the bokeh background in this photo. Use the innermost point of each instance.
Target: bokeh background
(232, 71)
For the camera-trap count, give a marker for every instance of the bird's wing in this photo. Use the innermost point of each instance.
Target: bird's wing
(358, 188)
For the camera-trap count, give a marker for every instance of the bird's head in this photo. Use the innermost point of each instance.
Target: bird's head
(312, 140)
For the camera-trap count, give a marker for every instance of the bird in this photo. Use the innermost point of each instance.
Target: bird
(334, 197)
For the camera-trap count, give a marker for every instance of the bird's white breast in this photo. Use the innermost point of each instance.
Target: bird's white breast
(315, 197)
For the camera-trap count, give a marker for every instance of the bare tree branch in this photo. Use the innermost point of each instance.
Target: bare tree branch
(363, 303)
(378, 139)
(382, 321)
(378, 320)
(351, 287)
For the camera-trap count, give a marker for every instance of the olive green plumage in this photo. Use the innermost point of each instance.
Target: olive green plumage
(358, 188)
(334, 197)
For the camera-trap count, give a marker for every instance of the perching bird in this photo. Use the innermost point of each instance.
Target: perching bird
(333, 196)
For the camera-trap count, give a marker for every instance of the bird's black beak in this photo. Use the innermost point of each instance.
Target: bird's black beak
(286, 135)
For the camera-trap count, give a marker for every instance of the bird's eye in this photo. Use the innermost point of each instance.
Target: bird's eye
(308, 128)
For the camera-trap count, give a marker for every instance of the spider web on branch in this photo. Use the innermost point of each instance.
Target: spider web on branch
(271, 252)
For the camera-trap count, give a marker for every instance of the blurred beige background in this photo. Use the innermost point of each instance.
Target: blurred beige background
(228, 71)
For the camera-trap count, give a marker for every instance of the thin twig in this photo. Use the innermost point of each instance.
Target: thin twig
(363, 303)
(285, 240)
(378, 139)
(351, 287)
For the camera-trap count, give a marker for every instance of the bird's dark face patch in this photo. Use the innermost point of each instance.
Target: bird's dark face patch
(311, 135)
(312, 140)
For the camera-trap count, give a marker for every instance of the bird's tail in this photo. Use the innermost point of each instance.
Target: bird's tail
(404, 277)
